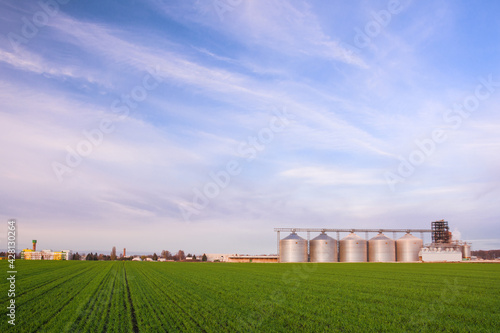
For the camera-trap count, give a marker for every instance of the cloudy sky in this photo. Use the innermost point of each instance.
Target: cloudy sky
(203, 125)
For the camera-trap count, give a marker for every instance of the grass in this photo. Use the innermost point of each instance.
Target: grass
(219, 297)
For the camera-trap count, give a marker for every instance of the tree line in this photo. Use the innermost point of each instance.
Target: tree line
(488, 255)
(165, 254)
(179, 256)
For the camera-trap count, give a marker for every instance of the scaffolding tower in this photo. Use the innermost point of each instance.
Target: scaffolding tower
(440, 232)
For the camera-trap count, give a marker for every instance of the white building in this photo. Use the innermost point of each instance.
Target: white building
(222, 257)
(440, 255)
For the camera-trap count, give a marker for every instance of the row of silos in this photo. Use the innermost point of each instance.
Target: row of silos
(353, 248)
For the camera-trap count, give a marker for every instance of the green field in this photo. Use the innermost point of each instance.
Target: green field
(219, 297)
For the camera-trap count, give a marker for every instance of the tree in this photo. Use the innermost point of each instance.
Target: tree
(143, 257)
(189, 255)
(113, 253)
(167, 255)
(76, 256)
(89, 257)
(180, 255)
(155, 257)
(194, 256)
(204, 258)
(491, 254)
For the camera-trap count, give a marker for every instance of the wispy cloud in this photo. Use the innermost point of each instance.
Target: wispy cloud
(216, 82)
(354, 116)
(321, 176)
(285, 27)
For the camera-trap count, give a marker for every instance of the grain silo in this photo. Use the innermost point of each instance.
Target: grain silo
(323, 248)
(293, 248)
(352, 248)
(466, 253)
(408, 247)
(381, 249)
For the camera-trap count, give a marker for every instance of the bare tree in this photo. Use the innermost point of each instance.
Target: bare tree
(113, 253)
(166, 254)
(181, 255)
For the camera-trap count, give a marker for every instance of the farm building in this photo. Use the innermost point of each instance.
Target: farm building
(256, 259)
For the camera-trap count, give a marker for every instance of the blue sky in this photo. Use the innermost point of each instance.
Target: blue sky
(202, 125)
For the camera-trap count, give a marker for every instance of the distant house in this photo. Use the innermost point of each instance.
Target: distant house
(148, 259)
(137, 259)
(222, 257)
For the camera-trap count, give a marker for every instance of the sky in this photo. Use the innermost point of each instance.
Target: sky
(203, 125)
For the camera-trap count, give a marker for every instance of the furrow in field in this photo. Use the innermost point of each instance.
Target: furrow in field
(49, 313)
(135, 327)
(150, 303)
(171, 309)
(35, 289)
(76, 315)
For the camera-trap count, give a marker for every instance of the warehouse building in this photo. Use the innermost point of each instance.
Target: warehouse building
(217, 257)
(256, 259)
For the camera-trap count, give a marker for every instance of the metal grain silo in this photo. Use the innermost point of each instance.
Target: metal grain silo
(352, 248)
(323, 248)
(408, 247)
(381, 249)
(466, 254)
(293, 248)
